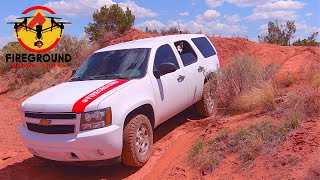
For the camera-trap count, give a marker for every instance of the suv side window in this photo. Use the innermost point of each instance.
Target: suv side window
(204, 46)
(187, 54)
(165, 54)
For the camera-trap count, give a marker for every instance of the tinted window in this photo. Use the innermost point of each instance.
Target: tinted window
(204, 46)
(165, 54)
(127, 63)
(187, 54)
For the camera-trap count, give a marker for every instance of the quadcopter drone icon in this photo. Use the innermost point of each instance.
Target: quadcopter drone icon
(39, 28)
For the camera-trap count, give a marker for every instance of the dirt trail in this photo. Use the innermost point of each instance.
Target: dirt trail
(171, 138)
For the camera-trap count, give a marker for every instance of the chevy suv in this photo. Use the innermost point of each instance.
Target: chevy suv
(112, 103)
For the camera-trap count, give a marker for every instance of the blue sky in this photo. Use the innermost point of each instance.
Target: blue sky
(245, 18)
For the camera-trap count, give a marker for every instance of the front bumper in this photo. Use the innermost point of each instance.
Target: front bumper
(94, 145)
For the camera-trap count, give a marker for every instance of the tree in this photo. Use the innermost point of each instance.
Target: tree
(14, 48)
(110, 20)
(279, 33)
(310, 41)
(172, 30)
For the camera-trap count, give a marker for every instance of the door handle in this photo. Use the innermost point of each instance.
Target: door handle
(181, 78)
(200, 69)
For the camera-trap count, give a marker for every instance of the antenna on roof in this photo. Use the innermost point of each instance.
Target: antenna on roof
(179, 28)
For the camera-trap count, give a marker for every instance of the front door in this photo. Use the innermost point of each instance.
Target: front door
(171, 90)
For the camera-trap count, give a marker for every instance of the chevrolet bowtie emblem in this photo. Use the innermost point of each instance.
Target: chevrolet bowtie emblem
(45, 122)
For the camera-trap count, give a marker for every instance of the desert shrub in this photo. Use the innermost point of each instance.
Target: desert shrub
(305, 101)
(73, 46)
(285, 80)
(249, 142)
(212, 162)
(313, 76)
(10, 48)
(196, 149)
(172, 30)
(4, 66)
(310, 41)
(53, 77)
(221, 136)
(258, 98)
(84, 54)
(240, 76)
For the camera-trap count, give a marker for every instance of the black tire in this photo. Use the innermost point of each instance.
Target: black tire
(132, 153)
(206, 106)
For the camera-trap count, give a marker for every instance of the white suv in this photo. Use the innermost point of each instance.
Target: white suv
(110, 106)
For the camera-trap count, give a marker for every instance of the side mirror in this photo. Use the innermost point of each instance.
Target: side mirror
(73, 72)
(164, 68)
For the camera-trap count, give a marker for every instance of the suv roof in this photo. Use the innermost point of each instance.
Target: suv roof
(149, 42)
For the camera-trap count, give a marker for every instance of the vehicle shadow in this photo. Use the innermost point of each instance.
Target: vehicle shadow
(35, 168)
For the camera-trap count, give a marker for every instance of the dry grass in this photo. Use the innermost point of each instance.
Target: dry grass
(250, 142)
(242, 75)
(313, 77)
(313, 173)
(55, 76)
(306, 101)
(258, 98)
(284, 81)
(196, 149)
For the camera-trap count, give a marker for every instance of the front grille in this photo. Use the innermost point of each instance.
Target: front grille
(51, 116)
(51, 129)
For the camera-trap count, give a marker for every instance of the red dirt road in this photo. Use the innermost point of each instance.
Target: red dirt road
(173, 141)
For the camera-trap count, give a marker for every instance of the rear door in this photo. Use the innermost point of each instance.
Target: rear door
(208, 53)
(171, 89)
(193, 67)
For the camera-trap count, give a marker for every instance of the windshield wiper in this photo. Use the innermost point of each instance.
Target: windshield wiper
(108, 76)
(79, 78)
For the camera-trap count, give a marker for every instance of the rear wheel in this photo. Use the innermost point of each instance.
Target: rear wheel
(137, 141)
(206, 106)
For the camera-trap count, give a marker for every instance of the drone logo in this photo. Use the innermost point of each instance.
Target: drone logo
(38, 33)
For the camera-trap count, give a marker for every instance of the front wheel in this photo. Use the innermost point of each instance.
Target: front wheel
(137, 141)
(206, 106)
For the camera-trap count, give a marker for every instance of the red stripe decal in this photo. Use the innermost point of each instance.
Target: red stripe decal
(82, 103)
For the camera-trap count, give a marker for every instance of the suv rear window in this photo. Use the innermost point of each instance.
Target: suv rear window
(187, 54)
(204, 46)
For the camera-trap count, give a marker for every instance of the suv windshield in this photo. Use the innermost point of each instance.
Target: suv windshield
(117, 64)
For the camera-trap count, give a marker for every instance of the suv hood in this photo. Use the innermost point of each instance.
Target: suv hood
(77, 96)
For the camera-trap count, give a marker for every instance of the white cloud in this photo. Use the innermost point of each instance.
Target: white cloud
(5, 39)
(309, 14)
(280, 5)
(248, 3)
(74, 8)
(184, 14)
(282, 15)
(283, 10)
(208, 15)
(211, 14)
(152, 25)
(11, 18)
(231, 29)
(214, 3)
(137, 10)
(263, 29)
(211, 28)
(233, 19)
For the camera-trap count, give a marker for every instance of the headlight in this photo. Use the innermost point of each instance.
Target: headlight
(95, 119)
